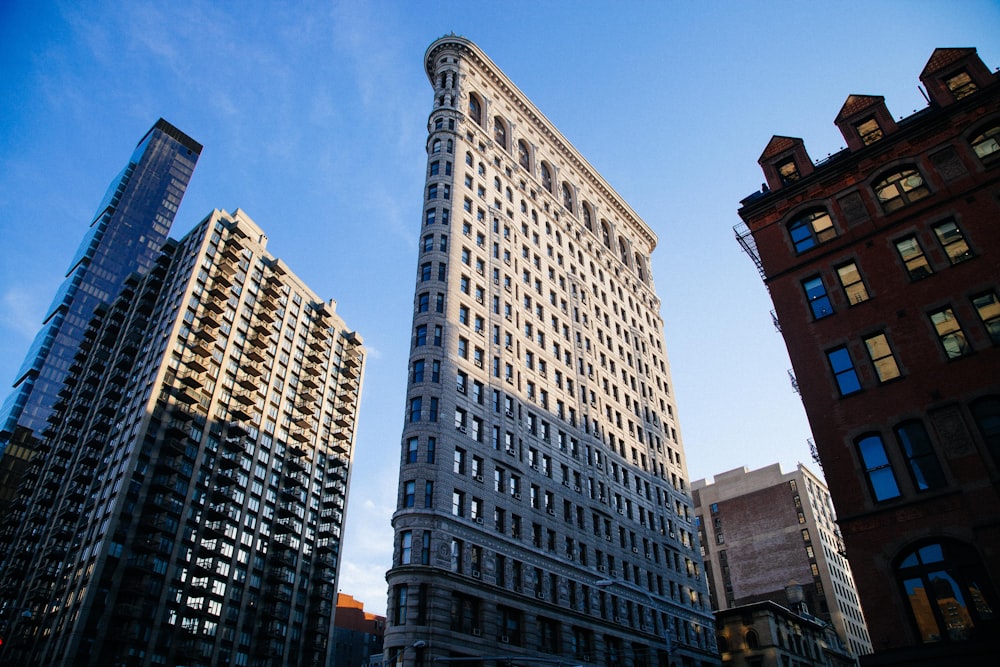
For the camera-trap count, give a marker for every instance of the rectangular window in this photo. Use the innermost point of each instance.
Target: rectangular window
(877, 468)
(817, 297)
(882, 358)
(868, 130)
(405, 547)
(411, 450)
(843, 371)
(913, 257)
(953, 241)
(850, 280)
(988, 307)
(950, 333)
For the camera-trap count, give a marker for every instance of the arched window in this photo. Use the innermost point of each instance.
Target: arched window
(752, 640)
(878, 469)
(588, 221)
(900, 188)
(986, 412)
(948, 591)
(987, 143)
(605, 233)
(500, 132)
(810, 229)
(546, 177)
(567, 194)
(475, 109)
(916, 446)
(623, 250)
(640, 267)
(523, 154)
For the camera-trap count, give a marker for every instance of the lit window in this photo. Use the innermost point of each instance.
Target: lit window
(877, 468)
(817, 297)
(988, 307)
(811, 229)
(960, 84)
(950, 333)
(881, 355)
(850, 280)
(916, 446)
(900, 188)
(868, 130)
(948, 591)
(986, 144)
(913, 257)
(953, 241)
(458, 503)
(843, 371)
(788, 171)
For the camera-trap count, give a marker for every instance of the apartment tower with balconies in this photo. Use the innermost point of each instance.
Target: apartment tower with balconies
(186, 502)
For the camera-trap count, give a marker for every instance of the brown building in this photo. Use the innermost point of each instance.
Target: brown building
(357, 634)
(883, 262)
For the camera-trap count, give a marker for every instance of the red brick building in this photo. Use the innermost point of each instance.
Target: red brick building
(883, 262)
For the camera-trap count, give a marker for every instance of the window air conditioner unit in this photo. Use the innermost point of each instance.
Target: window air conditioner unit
(601, 568)
(635, 550)
(461, 429)
(517, 496)
(618, 619)
(479, 478)
(479, 520)
(510, 413)
(505, 639)
(475, 573)
(577, 489)
(540, 595)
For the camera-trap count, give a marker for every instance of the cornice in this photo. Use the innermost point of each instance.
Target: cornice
(513, 94)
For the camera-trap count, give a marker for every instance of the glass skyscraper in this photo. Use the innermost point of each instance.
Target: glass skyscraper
(124, 236)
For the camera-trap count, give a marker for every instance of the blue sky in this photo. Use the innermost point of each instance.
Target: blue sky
(313, 118)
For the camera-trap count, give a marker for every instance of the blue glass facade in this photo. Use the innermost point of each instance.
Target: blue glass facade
(125, 236)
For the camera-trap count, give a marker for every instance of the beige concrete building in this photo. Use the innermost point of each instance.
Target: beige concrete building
(766, 634)
(543, 510)
(764, 530)
(186, 504)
